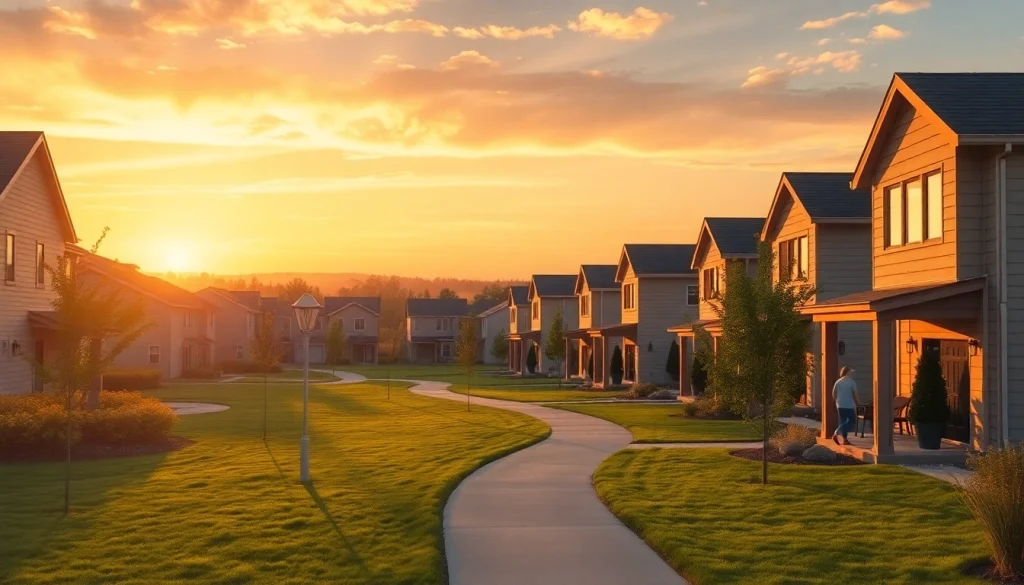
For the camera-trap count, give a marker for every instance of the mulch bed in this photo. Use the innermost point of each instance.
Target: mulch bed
(986, 570)
(91, 452)
(776, 456)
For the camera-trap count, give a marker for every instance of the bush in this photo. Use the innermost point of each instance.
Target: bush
(531, 359)
(616, 369)
(709, 407)
(699, 374)
(793, 440)
(37, 423)
(928, 395)
(200, 374)
(131, 379)
(689, 409)
(639, 391)
(995, 496)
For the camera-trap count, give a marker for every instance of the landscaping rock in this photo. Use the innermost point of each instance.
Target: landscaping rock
(819, 454)
(796, 449)
(663, 394)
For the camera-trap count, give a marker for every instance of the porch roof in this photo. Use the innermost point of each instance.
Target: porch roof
(199, 340)
(577, 333)
(867, 303)
(45, 320)
(621, 330)
(419, 339)
(688, 327)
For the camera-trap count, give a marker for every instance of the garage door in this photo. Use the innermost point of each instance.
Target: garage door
(316, 354)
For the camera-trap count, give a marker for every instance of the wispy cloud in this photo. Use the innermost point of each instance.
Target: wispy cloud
(642, 23)
(468, 59)
(884, 32)
(888, 7)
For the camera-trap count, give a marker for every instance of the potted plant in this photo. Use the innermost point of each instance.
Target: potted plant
(531, 359)
(616, 369)
(928, 409)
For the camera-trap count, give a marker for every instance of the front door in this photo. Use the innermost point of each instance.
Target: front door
(956, 371)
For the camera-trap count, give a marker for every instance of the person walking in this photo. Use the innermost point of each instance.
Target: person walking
(844, 392)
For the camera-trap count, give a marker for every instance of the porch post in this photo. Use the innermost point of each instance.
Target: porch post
(684, 374)
(568, 355)
(828, 377)
(884, 342)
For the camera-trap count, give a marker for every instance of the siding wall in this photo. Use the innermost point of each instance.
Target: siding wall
(427, 327)
(1015, 291)
(586, 321)
(522, 322)
(713, 259)
(348, 318)
(662, 303)
(629, 315)
(793, 222)
(489, 328)
(607, 309)
(915, 146)
(233, 326)
(27, 210)
(549, 307)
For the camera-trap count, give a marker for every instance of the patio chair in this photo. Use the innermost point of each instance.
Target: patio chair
(901, 404)
(865, 415)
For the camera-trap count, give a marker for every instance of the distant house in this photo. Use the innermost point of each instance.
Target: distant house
(360, 323)
(599, 303)
(432, 326)
(547, 296)
(35, 228)
(493, 320)
(237, 315)
(518, 324)
(181, 336)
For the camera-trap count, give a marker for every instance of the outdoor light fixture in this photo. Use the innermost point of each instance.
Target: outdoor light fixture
(650, 347)
(972, 347)
(911, 345)
(306, 310)
(15, 348)
(842, 348)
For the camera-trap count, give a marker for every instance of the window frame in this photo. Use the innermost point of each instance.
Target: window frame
(696, 295)
(10, 257)
(629, 296)
(40, 264)
(900, 186)
(153, 354)
(535, 309)
(239, 352)
(446, 350)
(188, 317)
(359, 324)
(710, 284)
(585, 305)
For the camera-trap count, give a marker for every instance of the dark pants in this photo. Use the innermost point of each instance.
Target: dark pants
(847, 421)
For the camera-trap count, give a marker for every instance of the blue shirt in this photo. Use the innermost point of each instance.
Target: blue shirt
(843, 393)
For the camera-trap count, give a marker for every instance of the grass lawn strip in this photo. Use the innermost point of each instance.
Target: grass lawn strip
(655, 423)
(229, 508)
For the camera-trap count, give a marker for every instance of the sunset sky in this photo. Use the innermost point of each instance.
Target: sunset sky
(473, 138)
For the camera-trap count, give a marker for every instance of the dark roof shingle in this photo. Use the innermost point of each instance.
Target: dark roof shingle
(520, 294)
(14, 149)
(828, 195)
(973, 103)
(436, 307)
(600, 276)
(735, 235)
(332, 304)
(660, 258)
(555, 285)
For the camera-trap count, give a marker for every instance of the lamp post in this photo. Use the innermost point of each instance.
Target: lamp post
(306, 310)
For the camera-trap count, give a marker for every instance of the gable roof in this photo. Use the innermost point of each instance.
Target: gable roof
(826, 197)
(655, 260)
(486, 312)
(249, 298)
(334, 304)
(735, 236)
(597, 277)
(436, 307)
(970, 108)
(519, 295)
(129, 276)
(16, 150)
(231, 297)
(553, 285)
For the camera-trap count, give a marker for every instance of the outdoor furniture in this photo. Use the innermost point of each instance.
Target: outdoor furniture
(865, 414)
(901, 404)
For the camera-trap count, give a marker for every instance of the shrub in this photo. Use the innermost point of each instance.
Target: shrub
(928, 395)
(200, 374)
(131, 379)
(33, 423)
(672, 364)
(126, 418)
(709, 407)
(638, 391)
(689, 409)
(615, 369)
(531, 359)
(995, 496)
(793, 440)
(699, 374)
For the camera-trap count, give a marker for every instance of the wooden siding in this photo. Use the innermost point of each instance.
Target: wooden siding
(549, 307)
(1015, 291)
(914, 146)
(841, 259)
(348, 318)
(489, 328)
(522, 322)
(28, 211)
(794, 222)
(586, 321)
(630, 315)
(607, 308)
(233, 326)
(662, 304)
(712, 259)
(428, 327)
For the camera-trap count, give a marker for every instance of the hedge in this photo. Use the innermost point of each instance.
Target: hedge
(131, 379)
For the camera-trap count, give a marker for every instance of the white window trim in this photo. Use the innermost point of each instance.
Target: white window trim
(357, 323)
(151, 354)
(14, 257)
(901, 188)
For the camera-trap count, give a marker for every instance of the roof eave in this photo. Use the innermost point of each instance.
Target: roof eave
(855, 220)
(990, 139)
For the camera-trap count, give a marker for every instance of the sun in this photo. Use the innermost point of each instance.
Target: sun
(178, 257)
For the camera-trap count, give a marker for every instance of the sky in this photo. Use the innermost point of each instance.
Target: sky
(469, 138)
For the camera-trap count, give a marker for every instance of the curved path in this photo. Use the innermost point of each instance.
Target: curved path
(532, 518)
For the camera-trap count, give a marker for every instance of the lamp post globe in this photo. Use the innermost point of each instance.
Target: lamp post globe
(306, 311)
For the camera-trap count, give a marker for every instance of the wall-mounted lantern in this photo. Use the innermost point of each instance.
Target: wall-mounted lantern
(911, 345)
(972, 347)
(842, 348)
(650, 347)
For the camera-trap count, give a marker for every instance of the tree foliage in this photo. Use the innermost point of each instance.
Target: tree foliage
(672, 363)
(447, 293)
(531, 359)
(762, 352)
(615, 369)
(264, 350)
(699, 373)
(494, 293)
(928, 394)
(466, 346)
(297, 287)
(554, 348)
(499, 349)
(334, 343)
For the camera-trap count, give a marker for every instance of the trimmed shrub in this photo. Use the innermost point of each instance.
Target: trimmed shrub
(689, 409)
(672, 364)
(699, 374)
(709, 407)
(126, 418)
(995, 497)
(928, 394)
(33, 423)
(200, 374)
(531, 359)
(131, 379)
(793, 440)
(640, 391)
(616, 369)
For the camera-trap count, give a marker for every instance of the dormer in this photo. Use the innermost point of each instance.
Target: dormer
(598, 295)
(722, 240)
(659, 272)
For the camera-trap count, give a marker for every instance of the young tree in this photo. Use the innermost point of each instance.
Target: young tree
(762, 353)
(447, 293)
(265, 352)
(615, 369)
(531, 359)
(555, 346)
(334, 344)
(672, 365)
(465, 352)
(500, 347)
(699, 374)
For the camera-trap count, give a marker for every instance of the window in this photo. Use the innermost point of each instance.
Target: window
(584, 305)
(536, 309)
(913, 210)
(360, 325)
(629, 296)
(446, 324)
(40, 264)
(446, 350)
(794, 259)
(512, 314)
(9, 259)
(711, 277)
(692, 295)
(154, 354)
(69, 265)
(239, 352)
(188, 318)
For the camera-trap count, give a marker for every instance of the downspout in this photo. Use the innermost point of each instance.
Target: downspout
(1001, 226)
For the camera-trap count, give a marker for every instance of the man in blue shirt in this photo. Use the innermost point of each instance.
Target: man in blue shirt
(844, 392)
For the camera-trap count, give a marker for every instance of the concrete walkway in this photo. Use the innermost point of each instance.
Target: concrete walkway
(189, 408)
(722, 445)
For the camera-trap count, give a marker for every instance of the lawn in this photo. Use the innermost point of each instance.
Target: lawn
(655, 423)
(487, 376)
(286, 376)
(706, 513)
(229, 508)
(522, 393)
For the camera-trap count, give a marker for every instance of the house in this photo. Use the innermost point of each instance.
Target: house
(237, 315)
(518, 325)
(599, 301)
(549, 295)
(35, 229)
(432, 326)
(493, 321)
(820, 231)
(181, 333)
(721, 241)
(657, 283)
(944, 164)
(360, 323)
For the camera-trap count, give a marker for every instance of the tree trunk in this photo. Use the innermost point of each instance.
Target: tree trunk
(764, 452)
(92, 397)
(264, 407)
(469, 385)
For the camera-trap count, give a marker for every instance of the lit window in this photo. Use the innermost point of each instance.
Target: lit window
(711, 279)
(933, 186)
(584, 305)
(915, 212)
(40, 264)
(9, 259)
(894, 219)
(629, 296)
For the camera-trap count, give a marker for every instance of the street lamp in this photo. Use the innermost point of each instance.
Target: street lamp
(306, 309)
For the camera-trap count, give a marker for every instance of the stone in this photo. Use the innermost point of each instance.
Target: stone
(794, 449)
(663, 394)
(819, 454)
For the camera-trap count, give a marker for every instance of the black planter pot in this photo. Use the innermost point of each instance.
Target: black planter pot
(929, 435)
(616, 381)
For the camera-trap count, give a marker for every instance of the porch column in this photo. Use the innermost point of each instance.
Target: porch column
(884, 342)
(510, 358)
(376, 353)
(684, 373)
(568, 355)
(828, 377)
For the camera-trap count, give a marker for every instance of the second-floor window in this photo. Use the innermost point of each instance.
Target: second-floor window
(40, 264)
(794, 259)
(536, 309)
(9, 258)
(711, 277)
(360, 324)
(629, 296)
(417, 324)
(188, 318)
(692, 295)
(154, 354)
(443, 325)
(239, 351)
(584, 305)
(913, 210)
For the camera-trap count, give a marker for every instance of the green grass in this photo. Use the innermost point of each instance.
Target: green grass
(487, 376)
(229, 508)
(287, 376)
(536, 393)
(706, 513)
(655, 423)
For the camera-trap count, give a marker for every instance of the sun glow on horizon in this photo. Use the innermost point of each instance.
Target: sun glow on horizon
(177, 257)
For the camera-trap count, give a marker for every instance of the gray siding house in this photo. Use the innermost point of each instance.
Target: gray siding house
(518, 325)
(432, 326)
(548, 296)
(360, 323)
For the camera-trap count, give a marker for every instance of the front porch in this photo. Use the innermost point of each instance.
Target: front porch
(905, 451)
(519, 348)
(686, 339)
(603, 342)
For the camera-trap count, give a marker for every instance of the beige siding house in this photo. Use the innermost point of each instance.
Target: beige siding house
(432, 326)
(35, 229)
(234, 323)
(493, 321)
(944, 164)
(599, 299)
(360, 323)
(518, 325)
(820, 231)
(550, 295)
(656, 282)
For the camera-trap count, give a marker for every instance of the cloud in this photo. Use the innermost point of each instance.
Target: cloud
(392, 61)
(857, 40)
(510, 33)
(642, 23)
(842, 61)
(467, 59)
(764, 77)
(901, 6)
(823, 42)
(229, 45)
(884, 32)
(830, 22)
